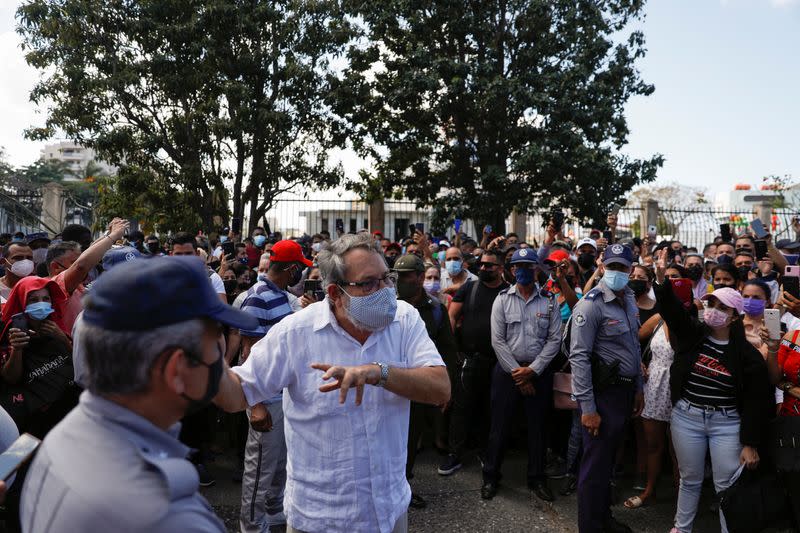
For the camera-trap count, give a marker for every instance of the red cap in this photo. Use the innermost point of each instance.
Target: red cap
(682, 288)
(288, 251)
(557, 256)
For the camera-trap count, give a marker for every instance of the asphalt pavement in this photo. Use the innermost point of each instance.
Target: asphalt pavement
(455, 505)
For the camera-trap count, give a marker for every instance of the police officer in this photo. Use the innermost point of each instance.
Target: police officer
(154, 351)
(410, 279)
(607, 382)
(526, 336)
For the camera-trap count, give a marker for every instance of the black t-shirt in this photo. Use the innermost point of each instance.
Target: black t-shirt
(475, 333)
(710, 382)
(647, 314)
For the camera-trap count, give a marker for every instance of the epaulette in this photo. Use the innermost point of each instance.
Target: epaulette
(592, 294)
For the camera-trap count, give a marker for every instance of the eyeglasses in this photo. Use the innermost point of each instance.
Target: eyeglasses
(371, 285)
(488, 266)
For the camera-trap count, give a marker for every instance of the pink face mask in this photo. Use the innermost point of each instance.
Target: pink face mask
(715, 318)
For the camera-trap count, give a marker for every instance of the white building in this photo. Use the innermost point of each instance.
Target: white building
(76, 157)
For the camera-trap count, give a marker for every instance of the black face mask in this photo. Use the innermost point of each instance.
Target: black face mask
(724, 286)
(486, 276)
(296, 277)
(212, 388)
(153, 248)
(638, 286)
(390, 259)
(695, 272)
(744, 272)
(244, 285)
(230, 285)
(586, 261)
(570, 280)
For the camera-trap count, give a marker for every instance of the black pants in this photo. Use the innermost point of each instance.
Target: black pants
(470, 411)
(505, 398)
(421, 417)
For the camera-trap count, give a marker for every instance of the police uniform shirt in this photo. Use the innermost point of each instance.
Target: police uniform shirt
(105, 468)
(602, 327)
(525, 333)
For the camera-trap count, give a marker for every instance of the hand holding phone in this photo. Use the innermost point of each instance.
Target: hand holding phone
(17, 454)
(725, 232)
(772, 320)
(758, 228)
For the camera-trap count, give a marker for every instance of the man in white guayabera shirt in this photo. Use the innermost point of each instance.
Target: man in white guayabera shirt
(346, 456)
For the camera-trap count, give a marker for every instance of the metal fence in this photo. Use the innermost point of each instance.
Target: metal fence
(20, 212)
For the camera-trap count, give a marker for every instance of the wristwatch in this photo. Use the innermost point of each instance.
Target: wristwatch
(787, 386)
(384, 374)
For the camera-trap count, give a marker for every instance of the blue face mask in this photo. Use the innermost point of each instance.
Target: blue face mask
(243, 260)
(259, 240)
(454, 266)
(39, 310)
(524, 276)
(223, 238)
(615, 280)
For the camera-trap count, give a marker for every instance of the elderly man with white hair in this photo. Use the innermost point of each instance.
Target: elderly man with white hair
(346, 457)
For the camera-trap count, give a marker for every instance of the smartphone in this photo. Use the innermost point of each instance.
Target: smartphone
(20, 451)
(340, 225)
(652, 231)
(19, 321)
(313, 287)
(558, 219)
(420, 227)
(613, 209)
(772, 319)
(487, 228)
(758, 228)
(608, 236)
(228, 248)
(761, 249)
(412, 229)
(792, 271)
(791, 285)
(457, 225)
(725, 232)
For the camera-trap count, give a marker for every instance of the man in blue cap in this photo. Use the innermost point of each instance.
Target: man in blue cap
(526, 336)
(607, 382)
(151, 331)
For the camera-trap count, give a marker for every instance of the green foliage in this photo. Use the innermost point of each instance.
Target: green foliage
(190, 98)
(477, 107)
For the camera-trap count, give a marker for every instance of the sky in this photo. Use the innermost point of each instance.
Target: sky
(726, 108)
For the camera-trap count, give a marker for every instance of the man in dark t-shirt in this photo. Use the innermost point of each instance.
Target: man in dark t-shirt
(470, 315)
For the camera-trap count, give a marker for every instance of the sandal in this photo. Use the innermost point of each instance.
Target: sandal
(634, 502)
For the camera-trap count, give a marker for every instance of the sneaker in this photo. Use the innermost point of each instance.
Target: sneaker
(450, 465)
(277, 519)
(417, 501)
(206, 479)
(557, 469)
(570, 485)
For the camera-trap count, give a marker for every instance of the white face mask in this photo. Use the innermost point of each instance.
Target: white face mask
(39, 256)
(22, 268)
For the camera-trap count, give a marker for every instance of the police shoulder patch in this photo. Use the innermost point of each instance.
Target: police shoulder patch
(592, 294)
(579, 319)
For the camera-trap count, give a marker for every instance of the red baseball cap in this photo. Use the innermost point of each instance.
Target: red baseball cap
(556, 256)
(287, 251)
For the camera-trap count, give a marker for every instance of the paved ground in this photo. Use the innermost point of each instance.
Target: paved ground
(454, 503)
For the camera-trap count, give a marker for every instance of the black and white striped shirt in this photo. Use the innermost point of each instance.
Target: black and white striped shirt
(710, 382)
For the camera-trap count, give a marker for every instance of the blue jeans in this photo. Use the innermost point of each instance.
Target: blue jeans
(694, 432)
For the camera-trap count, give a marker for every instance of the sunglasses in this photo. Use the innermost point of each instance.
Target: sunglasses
(488, 266)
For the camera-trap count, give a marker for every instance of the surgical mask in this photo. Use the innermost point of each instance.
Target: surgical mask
(586, 261)
(406, 290)
(724, 286)
(22, 268)
(316, 246)
(524, 276)
(297, 275)
(374, 311)
(724, 260)
(454, 266)
(223, 238)
(390, 259)
(243, 260)
(441, 255)
(259, 240)
(695, 272)
(754, 306)
(262, 276)
(39, 310)
(487, 276)
(638, 286)
(212, 388)
(432, 286)
(715, 318)
(616, 280)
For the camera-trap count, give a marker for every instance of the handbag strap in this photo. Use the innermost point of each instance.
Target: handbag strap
(650, 340)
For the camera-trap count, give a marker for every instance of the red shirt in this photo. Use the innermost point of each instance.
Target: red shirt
(789, 361)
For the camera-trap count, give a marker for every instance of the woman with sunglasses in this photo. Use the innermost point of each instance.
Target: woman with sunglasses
(721, 395)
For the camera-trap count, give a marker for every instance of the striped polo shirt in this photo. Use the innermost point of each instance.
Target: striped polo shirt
(268, 303)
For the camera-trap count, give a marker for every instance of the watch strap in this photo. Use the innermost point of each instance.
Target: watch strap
(384, 374)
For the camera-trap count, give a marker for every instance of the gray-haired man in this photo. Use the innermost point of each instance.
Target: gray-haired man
(346, 459)
(152, 338)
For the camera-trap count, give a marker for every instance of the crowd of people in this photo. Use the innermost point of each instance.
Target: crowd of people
(327, 362)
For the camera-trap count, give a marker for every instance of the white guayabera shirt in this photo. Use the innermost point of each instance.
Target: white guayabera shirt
(346, 463)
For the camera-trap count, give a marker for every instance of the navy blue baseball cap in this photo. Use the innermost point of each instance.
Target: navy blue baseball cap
(618, 253)
(143, 295)
(119, 255)
(525, 255)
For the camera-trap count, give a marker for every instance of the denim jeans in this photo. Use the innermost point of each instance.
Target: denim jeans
(575, 443)
(694, 432)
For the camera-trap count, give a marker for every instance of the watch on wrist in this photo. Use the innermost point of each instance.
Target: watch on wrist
(787, 386)
(384, 374)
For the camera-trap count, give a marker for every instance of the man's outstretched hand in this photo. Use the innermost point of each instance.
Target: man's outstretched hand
(347, 377)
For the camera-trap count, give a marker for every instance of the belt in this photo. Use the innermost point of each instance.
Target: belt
(709, 408)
